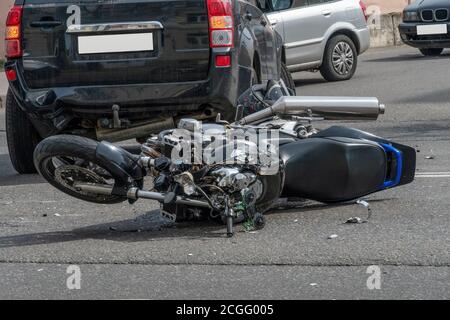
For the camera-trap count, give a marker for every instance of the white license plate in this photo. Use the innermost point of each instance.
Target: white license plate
(424, 30)
(115, 43)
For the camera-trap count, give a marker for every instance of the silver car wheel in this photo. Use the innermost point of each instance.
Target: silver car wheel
(343, 58)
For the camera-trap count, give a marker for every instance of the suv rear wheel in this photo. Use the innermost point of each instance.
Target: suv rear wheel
(340, 59)
(431, 52)
(21, 136)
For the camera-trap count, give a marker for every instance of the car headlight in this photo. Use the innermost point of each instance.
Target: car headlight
(411, 16)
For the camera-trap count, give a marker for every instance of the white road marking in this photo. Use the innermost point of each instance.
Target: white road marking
(433, 175)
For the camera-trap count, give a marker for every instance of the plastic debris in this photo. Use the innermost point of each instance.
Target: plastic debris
(366, 205)
(333, 236)
(429, 157)
(354, 220)
(313, 284)
(57, 215)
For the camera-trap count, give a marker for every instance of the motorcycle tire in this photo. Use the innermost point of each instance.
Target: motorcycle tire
(67, 148)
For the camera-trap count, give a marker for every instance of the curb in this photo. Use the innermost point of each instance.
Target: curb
(2, 102)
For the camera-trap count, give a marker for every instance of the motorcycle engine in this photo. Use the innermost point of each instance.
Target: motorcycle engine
(224, 185)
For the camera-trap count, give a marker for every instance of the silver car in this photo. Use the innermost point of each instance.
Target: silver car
(325, 35)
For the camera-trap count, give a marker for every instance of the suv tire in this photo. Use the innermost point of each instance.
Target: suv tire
(340, 59)
(432, 52)
(21, 136)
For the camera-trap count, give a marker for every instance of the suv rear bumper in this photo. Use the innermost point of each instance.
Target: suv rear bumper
(408, 34)
(363, 39)
(51, 109)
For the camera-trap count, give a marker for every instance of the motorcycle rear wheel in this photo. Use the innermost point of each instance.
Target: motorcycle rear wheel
(66, 160)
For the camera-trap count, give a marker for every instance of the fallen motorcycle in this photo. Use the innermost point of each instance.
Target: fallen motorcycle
(235, 172)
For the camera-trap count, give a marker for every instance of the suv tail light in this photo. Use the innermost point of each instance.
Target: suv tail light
(364, 10)
(13, 33)
(221, 25)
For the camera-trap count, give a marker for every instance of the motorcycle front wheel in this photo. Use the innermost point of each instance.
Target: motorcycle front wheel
(68, 161)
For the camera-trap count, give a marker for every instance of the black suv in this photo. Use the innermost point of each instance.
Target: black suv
(120, 69)
(426, 25)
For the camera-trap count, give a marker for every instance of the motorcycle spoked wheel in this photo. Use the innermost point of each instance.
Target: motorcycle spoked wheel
(66, 160)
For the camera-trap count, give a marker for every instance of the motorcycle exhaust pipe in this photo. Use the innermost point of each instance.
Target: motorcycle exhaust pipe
(329, 108)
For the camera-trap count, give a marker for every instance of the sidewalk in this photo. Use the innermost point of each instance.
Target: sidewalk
(3, 89)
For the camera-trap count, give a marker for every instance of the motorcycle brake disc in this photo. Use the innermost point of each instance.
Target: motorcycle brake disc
(68, 175)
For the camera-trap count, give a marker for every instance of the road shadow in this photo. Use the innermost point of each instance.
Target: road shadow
(410, 57)
(150, 226)
(9, 177)
(441, 96)
(308, 82)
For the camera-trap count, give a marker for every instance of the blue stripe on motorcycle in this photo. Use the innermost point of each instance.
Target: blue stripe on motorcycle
(398, 174)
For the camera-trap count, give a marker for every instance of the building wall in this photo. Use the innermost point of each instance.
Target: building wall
(389, 6)
(4, 8)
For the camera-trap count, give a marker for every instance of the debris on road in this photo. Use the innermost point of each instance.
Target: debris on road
(313, 284)
(333, 236)
(429, 157)
(354, 220)
(366, 205)
(57, 215)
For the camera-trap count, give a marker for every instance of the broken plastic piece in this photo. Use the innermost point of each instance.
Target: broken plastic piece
(355, 220)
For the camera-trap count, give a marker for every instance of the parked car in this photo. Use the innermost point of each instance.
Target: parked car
(325, 35)
(426, 26)
(124, 69)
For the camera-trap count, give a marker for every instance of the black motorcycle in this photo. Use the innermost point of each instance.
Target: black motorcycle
(235, 172)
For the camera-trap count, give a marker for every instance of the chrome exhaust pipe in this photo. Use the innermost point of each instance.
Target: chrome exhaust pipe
(329, 108)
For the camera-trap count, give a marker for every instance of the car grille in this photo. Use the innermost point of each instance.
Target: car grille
(437, 15)
(441, 15)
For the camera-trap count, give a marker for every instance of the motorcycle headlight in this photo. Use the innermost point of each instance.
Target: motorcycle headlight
(411, 16)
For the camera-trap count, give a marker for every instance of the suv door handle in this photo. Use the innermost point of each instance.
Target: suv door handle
(45, 24)
(273, 22)
(327, 13)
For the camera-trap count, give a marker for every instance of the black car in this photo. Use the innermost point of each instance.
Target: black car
(426, 26)
(120, 69)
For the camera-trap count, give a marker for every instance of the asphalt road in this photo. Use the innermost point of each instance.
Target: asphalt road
(130, 252)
